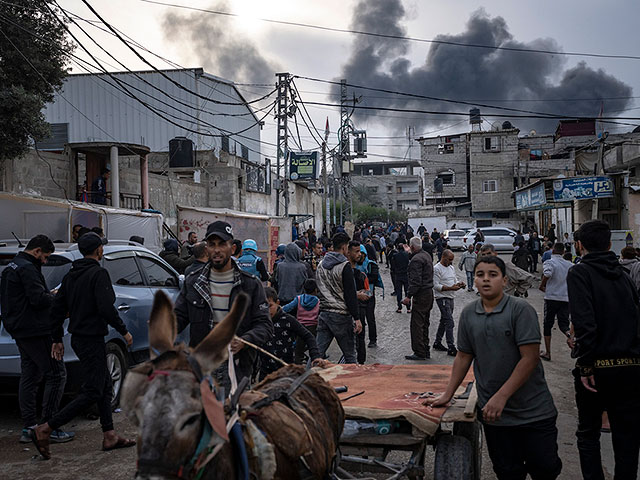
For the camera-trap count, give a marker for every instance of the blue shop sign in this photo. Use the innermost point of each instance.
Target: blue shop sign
(579, 188)
(533, 197)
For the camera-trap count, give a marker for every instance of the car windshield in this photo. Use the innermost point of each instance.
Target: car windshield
(53, 271)
(456, 234)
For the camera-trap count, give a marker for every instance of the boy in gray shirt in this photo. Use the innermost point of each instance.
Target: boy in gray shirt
(500, 334)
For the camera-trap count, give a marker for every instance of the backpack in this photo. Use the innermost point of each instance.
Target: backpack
(374, 276)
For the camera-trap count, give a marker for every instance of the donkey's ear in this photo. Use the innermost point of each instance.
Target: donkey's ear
(212, 351)
(162, 325)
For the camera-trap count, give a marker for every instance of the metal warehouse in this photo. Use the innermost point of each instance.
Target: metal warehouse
(106, 111)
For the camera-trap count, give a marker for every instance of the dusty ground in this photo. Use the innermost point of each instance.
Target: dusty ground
(82, 458)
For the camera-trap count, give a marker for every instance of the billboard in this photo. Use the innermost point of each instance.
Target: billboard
(531, 198)
(579, 188)
(303, 166)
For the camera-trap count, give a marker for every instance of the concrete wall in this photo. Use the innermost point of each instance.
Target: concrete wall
(391, 191)
(493, 165)
(47, 174)
(434, 162)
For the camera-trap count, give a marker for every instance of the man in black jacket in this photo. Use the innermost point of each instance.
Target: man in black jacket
(605, 314)
(26, 304)
(399, 269)
(420, 293)
(87, 296)
(207, 297)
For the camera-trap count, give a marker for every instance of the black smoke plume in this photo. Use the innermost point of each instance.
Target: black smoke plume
(220, 48)
(471, 73)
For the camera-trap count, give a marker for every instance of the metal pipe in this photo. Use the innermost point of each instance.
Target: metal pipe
(115, 176)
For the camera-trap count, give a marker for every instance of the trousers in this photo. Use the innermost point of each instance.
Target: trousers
(422, 303)
(361, 343)
(516, 451)
(96, 386)
(37, 364)
(446, 321)
(301, 347)
(401, 282)
(553, 308)
(618, 394)
(371, 319)
(334, 325)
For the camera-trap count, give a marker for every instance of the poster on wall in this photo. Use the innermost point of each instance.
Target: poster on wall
(531, 198)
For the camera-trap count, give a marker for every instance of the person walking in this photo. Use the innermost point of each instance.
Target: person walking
(518, 281)
(435, 235)
(205, 299)
(421, 229)
(605, 314)
(400, 272)
(186, 249)
(467, 264)
(250, 262)
(631, 264)
(371, 269)
(290, 274)
(520, 257)
(420, 297)
(87, 297)
(535, 249)
(445, 285)
(355, 256)
(26, 308)
(339, 316)
(500, 335)
(551, 234)
(556, 298)
(201, 257)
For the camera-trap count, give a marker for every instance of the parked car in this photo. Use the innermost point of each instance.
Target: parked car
(500, 237)
(137, 274)
(454, 239)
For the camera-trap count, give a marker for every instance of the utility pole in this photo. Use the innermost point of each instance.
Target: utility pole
(325, 188)
(283, 140)
(343, 156)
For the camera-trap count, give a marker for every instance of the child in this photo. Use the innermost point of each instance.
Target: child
(285, 331)
(467, 263)
(500, 334)
(307, 308)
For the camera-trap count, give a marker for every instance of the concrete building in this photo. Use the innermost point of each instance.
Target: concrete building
(445, 160)
(393, 185)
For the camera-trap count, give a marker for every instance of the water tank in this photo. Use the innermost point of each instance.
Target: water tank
(507, 125)
(181, 152)
(474, 116)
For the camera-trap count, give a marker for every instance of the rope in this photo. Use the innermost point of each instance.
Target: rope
(262, 350)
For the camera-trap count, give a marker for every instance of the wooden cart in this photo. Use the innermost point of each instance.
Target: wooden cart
(393, 396)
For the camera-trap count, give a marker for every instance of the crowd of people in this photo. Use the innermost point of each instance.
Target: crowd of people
(323, 289)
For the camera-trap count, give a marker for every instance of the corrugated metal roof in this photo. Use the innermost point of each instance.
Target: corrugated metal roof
(118, 117)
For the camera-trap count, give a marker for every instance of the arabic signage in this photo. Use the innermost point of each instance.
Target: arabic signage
(530, 198)
(303, 165)
(579, 188)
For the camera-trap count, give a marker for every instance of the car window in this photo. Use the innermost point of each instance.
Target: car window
(123, 271)
(55, 269)
(501, 231)
(158, 274)
(456, 234)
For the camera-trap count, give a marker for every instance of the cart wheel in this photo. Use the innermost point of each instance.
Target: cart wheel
(472, 431)
(454, 459)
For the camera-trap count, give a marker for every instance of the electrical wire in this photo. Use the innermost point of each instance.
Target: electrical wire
(400, 37)
(177, 84)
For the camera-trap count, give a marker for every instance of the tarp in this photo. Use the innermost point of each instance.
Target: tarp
(392, 391)
(27, 216)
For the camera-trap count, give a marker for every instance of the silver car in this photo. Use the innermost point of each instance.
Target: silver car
(454, 239)
(137, 274)
(500, 237)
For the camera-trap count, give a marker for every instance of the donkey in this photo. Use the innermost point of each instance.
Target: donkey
(288, 427)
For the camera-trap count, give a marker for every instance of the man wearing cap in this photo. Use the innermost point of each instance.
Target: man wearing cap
(87, 295)
(250, 262)
(207, 297)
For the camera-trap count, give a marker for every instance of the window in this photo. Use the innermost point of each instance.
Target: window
(492, 144)
(448, 177)
(489, 186)
(123, 270)
(157, 274)
(372, 189)
(445, 148)
(389, 188)
(225, 143)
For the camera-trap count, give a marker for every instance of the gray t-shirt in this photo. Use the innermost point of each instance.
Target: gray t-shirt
(493, 340)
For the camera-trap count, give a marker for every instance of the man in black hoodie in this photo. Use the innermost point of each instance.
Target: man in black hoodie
(605, 314)
(26, 303)
(87, 296)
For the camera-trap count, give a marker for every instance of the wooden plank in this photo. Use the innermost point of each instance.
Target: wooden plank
(470, 407)
(393, 439)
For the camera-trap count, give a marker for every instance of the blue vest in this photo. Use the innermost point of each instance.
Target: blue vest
(248, 262)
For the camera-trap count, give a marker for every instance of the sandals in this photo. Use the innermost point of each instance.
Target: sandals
(120, 443)
(545, 356)
(41, 445)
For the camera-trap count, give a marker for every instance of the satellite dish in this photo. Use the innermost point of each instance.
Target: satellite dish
(532, 133)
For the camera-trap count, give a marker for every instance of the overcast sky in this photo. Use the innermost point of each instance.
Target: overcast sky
(250, 51)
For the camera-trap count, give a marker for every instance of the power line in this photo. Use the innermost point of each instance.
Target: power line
(400, 37)
(177, 84)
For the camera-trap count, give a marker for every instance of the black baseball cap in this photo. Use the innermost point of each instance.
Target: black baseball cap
(88, 242)
(220, 229)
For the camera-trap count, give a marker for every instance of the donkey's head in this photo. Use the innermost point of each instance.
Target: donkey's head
(163, 396)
